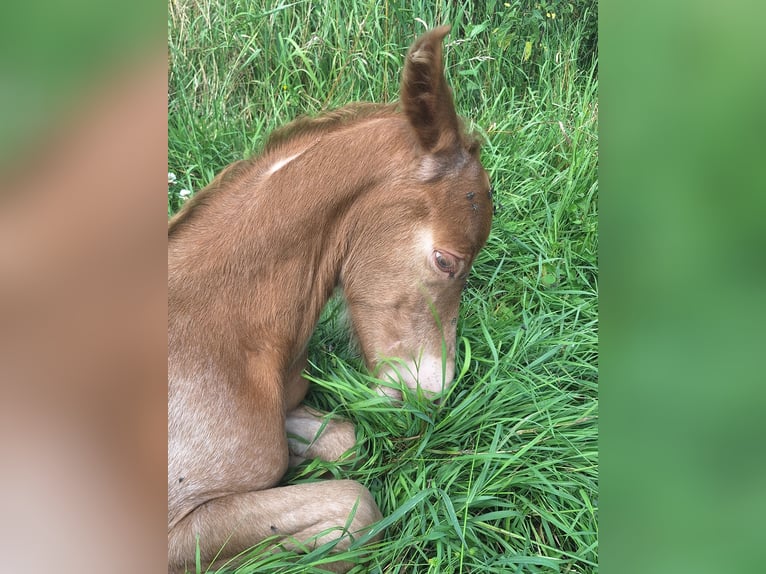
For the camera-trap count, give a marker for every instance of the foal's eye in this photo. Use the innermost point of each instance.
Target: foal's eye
(445, 262)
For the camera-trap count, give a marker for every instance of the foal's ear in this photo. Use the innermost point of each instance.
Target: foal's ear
(425, 96)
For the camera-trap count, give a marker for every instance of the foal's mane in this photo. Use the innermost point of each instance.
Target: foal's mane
(332, 120)
(326, 122)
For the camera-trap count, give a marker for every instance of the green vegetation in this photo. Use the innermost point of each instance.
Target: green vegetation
(502, 476)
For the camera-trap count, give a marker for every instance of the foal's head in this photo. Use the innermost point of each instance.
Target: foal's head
(403, 280)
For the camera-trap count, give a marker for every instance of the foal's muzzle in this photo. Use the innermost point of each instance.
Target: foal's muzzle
(430, 375)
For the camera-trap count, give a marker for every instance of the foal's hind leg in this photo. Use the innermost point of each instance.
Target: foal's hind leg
(231, 524)
(311, 434)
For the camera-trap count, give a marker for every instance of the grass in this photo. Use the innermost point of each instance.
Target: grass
(503, 476)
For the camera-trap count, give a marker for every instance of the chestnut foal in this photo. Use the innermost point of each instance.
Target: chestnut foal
(389, 203)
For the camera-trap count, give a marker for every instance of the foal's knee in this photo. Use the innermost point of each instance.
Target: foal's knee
(348, 512)
(360, 505)
(342, 510)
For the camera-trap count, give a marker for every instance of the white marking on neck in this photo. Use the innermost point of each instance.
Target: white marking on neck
(280, 164)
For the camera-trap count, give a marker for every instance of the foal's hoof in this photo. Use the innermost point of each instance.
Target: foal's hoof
(310, 435)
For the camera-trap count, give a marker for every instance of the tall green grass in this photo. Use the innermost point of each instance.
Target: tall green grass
(502, 476)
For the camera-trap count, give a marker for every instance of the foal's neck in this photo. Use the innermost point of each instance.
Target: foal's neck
(270, 246)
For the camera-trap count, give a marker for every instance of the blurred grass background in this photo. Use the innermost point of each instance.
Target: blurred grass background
(52, 54)
(502, 477)
(680, 270)
(684, 275)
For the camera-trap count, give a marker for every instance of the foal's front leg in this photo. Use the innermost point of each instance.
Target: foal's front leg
(311, 434)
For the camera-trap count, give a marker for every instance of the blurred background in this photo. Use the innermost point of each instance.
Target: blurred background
(83, 143)
(682, 278)
(83, 104)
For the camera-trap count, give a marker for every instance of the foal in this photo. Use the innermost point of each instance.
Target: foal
(388, 203)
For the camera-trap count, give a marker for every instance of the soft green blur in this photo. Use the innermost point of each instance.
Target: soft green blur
(83, 140)
(683, 284)
(52, 53)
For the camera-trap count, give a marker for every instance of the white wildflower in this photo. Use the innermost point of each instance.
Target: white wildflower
(185, 193)
(171, 178)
